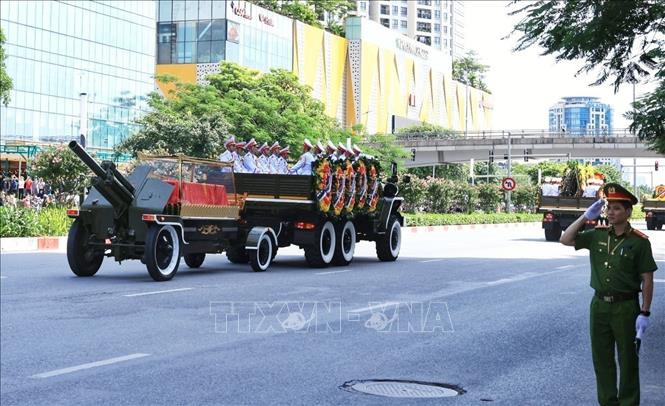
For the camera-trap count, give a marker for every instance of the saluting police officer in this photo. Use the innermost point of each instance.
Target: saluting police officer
(621, 264)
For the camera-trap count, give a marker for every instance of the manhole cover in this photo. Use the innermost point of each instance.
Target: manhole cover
(403, 389)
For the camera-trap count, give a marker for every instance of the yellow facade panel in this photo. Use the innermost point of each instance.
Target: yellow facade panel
(184, 72)
(367, 77)
(461, 105)
(314, 58)
(339, 48)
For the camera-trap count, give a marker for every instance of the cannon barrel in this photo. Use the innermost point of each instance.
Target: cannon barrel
(115, 188)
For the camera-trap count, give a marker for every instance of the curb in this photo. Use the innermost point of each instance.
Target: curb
(28, 244)
(457, 227)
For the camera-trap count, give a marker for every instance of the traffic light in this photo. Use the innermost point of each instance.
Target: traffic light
(491, 157)
(526, 155)
(656, 165)
(413, 154)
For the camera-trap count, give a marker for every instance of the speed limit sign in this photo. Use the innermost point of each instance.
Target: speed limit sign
(508, 184)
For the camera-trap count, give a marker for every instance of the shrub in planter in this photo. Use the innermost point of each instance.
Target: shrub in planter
(489, 197)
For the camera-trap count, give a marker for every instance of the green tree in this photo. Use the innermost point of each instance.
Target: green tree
(426, 130)
(6, 83)
(164, 131)
(384, 148)
(59, 166)
(311, 11)
(470, 71)
(622, 39)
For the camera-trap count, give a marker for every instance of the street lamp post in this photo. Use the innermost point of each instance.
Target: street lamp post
(510, 157)
(84, 118)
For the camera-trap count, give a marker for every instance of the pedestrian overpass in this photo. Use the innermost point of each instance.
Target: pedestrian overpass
(428, 150)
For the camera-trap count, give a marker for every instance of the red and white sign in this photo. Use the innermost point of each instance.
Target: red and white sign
(508, 184)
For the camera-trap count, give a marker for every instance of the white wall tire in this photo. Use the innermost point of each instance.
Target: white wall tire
(162, 252)
(346, 244)
(321, 253)
(388, 245)
(261, 257)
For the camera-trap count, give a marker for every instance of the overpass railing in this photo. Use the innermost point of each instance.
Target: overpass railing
(521, 133)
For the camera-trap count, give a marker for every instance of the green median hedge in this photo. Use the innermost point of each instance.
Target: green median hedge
(24, 222)
(437, 219)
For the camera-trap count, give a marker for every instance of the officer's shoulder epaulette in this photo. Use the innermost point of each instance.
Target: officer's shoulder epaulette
(639, 234)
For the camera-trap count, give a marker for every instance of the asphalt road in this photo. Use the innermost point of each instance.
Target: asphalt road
(499, 312)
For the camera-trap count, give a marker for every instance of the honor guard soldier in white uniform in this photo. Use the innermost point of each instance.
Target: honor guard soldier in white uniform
(357, 152)
(274, 157)
(282, 166)
(304, 164)
(230, 154)
(319, 150)
(238, 166)
(341, 152)
(249, 160)
(330, 150)
(262, 164)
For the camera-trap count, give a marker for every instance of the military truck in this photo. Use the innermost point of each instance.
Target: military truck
(559, 212)
(173, 207)
(654, 209)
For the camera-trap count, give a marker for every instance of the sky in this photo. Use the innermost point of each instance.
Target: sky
(526, 84)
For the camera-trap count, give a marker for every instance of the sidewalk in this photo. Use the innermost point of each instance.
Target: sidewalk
(31, 244)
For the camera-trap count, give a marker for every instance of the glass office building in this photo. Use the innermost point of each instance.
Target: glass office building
(581, 116)
(207, 32)
(59, 49)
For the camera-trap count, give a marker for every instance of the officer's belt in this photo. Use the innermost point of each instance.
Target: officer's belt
(616, 297)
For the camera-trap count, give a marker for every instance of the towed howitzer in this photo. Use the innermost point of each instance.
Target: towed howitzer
(109, 182)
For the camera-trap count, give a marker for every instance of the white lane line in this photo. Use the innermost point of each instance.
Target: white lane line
(565, 267)
(3, 277)
(659, 280)
(158, 292)
(376, 306)
(89, 365)
(331, 272)
(431, 260)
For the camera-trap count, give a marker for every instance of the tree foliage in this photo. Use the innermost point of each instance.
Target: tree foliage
(61, 168)
(311, 11)
(426, 130)
(470, 71)
(624, 40)
(6, 83)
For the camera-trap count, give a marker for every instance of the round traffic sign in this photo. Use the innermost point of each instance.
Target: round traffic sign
(508, 184)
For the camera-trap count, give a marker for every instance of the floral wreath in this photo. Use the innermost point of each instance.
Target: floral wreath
(373, 184)
(361, 184)
(350, 187)
(323, 181)
(339, 187)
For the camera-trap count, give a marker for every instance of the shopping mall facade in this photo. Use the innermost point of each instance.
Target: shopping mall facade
(375, 76)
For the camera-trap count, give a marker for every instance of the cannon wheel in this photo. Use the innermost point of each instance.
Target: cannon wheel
(554, 233)
(346, 243)
(83, 260)
(237, 254)
(389, 244)
(261, 257)
(321, 253)
(162, 252)
(194, 260)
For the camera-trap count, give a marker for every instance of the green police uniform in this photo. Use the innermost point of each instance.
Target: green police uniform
(617, 263)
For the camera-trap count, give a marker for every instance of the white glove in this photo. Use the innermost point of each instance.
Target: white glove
(642, 322)
(593, 212)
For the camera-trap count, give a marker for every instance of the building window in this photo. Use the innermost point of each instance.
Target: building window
(445, 16)
(445, 43)
(424, 27)
(437, 27)
(445, 29)
(362, 6)
(385, 22)
(437, 14)
(395, 10)
(424, 39)
(403, 12)
(437, 41)
(423, 13)
(385, 9)
(425, 2)
(395, 24)
(403, 23)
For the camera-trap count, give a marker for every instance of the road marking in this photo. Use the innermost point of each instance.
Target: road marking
(659, 280)
(89, 365)
(3, 277)
(158, 292)
(376, 306)
(565, 267)
(331, 272)
(431, 260)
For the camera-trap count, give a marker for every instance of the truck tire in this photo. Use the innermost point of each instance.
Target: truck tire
(346, 243)
(651, 224)
(321, 253)
(261, 257)
(194, 260)
(554, 233)
(237, 254)
(83, 260)
(388, 245)
(162, 252)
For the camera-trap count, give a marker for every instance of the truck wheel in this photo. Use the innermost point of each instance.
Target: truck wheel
(389, 244)
(237, 254)
(346, 244)
(83, 260)
(261, 257)
(321, 253)
(659, 226)
(162, 252)
(651, 225)
(194, 260)
(554, 233)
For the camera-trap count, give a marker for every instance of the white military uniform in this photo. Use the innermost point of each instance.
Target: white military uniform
(281, 166)
(228, 156)
(249, 162)
(238, 166)
(304, 164)
(263, 164)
